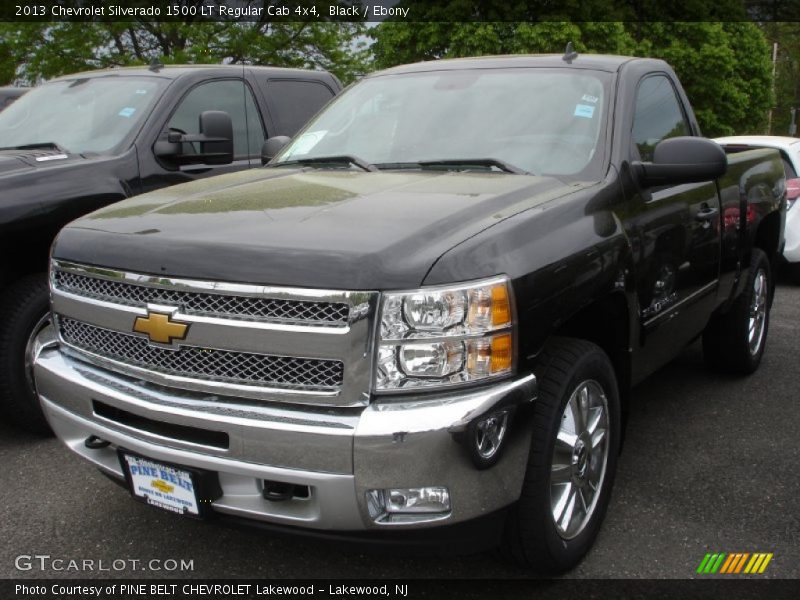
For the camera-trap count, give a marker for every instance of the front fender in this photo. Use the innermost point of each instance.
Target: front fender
(562, 257)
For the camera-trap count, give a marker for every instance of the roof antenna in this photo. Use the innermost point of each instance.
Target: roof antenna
(569, 54)
(155, 65)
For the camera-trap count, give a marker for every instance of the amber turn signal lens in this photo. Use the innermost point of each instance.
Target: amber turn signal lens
(501, 309)
(502, 353)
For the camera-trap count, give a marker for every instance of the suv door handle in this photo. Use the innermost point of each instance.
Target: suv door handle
(706, 213)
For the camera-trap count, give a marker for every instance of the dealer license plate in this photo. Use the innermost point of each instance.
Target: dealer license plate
(160, 485)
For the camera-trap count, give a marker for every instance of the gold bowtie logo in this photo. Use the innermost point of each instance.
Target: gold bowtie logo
(160, 328)
(162, 486)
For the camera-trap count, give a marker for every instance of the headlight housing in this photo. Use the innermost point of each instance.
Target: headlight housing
(445, 335)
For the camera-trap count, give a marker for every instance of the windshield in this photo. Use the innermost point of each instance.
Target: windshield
(543, 121)
(94, 114)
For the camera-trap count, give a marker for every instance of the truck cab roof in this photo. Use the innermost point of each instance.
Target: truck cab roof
(597, 62)
(176, 71)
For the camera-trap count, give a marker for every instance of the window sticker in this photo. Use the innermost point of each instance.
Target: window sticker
(590, 98)
(142, 92)
(306, 142)
(584, 110)
(127, 112)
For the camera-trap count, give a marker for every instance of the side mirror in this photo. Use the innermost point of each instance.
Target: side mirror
(272, 146)
(215, 140)
(216, 128)
(682, 160)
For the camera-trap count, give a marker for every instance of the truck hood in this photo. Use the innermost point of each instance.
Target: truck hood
(40, 189)
(307, 228)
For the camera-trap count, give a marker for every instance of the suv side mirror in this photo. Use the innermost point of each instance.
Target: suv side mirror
(272, 146)
(215, 139)
(682, 160)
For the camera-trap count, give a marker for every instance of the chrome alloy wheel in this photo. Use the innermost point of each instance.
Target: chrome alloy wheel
(32, 350)
(580, 455)
(758, 313)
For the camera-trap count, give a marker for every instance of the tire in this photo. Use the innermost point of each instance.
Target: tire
(727, 343)
(532, 538)
(24, 308)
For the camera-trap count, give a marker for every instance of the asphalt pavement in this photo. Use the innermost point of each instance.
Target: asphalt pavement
(710, 464)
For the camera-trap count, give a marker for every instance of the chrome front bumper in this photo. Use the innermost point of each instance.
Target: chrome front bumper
(339, 453)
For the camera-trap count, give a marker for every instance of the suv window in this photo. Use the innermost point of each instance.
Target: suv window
(657, 115)
(236, 99)
(293, 102)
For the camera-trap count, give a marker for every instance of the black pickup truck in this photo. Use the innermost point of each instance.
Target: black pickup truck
(424, 318)
(83, 141)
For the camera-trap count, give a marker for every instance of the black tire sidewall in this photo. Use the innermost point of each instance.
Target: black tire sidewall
(23, 305)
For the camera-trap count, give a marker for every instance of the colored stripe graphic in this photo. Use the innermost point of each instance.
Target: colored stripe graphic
(728, 562)
(734, 563)
(741, 562)
(764, 564)
(718, 563)
(703, 563)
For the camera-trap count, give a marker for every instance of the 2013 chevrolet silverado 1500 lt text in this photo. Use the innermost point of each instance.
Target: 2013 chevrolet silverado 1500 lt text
(425, 315)
(83, 141)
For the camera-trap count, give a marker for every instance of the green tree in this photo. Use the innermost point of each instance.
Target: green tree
(787, 73)
(31, 51)
(724, 66)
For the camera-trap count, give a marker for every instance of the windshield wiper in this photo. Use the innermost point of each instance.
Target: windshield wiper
(345, 159)
(480, 162)
(38, 146)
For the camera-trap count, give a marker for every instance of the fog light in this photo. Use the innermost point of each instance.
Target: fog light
(408, 504)
(487, 436)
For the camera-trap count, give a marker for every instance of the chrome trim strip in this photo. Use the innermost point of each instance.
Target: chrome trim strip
(420, 413)
(353, 298)
(677, 307)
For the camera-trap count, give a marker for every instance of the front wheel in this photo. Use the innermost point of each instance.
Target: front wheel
(735, 341)
(573, 458)
(24, 312)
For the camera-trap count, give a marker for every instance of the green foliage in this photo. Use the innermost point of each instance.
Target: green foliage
(724, 66)
(787, 71)
(31, 51)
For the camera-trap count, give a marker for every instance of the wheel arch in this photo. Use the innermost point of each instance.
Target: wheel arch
(768, 236)
(606, 322)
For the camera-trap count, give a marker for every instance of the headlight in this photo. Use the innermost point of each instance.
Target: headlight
(442, 336)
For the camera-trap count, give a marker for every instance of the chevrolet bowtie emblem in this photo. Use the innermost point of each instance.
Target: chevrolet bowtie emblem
(162, 486)
(160, 328)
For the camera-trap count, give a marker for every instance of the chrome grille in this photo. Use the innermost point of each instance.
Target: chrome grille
(203, 303)
(204, 363)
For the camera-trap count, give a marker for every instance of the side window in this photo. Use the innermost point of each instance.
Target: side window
(236, 99)
(294, 102)
(657, 115)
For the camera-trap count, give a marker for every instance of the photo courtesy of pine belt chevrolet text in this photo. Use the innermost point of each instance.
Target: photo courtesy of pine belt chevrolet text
(423, 317)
